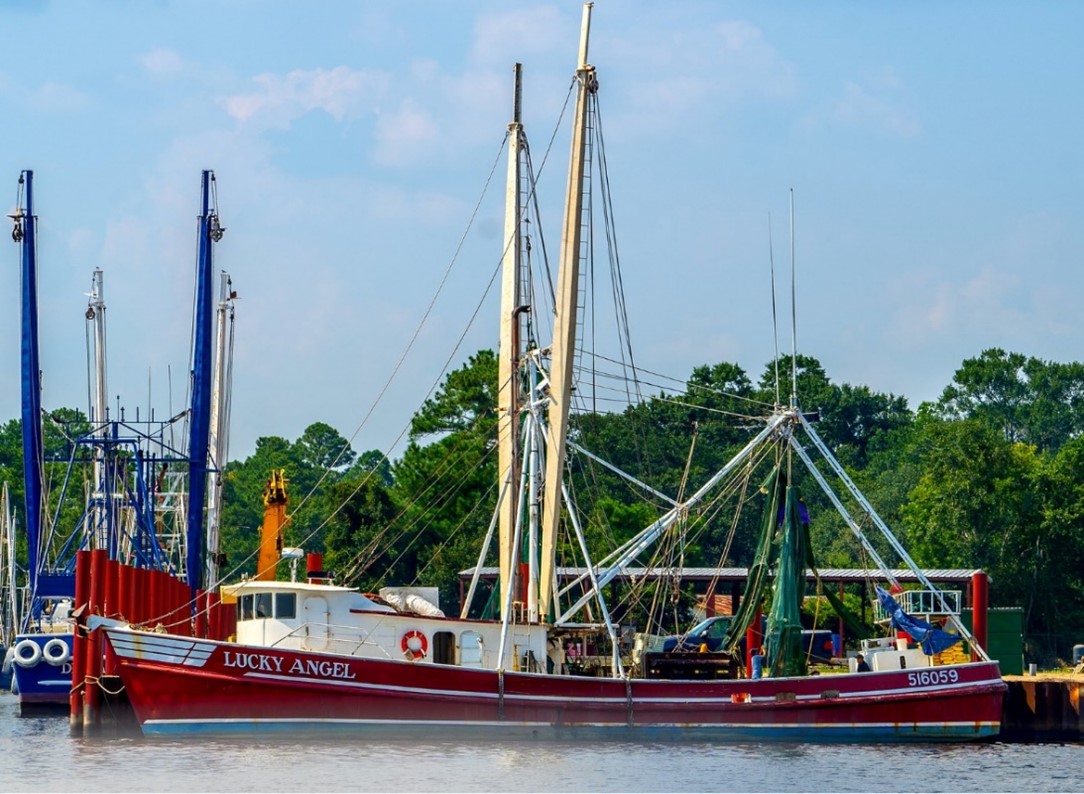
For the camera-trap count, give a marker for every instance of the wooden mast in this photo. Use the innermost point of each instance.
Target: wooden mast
(508, 397)
(564, 334)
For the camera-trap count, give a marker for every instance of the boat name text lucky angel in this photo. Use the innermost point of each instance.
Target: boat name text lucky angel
(263, 662)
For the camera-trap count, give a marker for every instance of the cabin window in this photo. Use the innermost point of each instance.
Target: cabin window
(444, 647)
(244, 608)
(285, 606)
(263, 605)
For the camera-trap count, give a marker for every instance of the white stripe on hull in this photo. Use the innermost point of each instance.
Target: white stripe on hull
(510, 697)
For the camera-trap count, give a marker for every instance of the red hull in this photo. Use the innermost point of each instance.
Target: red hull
(181, 685)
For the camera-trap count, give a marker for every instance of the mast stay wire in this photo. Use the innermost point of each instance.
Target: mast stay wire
(422, 322)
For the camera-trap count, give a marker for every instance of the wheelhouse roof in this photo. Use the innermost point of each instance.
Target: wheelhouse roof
(264, 586)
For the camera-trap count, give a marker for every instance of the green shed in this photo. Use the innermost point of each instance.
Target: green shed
(1004, 637)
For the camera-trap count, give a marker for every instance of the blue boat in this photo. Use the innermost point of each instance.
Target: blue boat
(148, 491)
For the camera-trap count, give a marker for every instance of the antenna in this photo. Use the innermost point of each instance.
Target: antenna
(793, 315)
(775, 322)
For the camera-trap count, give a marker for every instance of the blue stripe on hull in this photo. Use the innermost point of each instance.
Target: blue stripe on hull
(893, 732)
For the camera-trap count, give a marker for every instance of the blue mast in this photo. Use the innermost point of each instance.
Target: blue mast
(200, 426)
(31, 382)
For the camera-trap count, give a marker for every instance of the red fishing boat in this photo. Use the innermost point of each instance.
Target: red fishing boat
(181, 685)
(313, 656)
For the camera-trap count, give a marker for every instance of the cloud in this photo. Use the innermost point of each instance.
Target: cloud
(873, 106)
(516, 35)
(974, 307)
(281, 99)
(747, 63)
(676, 75)
(56, 97)
(403, 133)
(162, 62)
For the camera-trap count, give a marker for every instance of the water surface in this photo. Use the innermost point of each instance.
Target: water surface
(38, 755)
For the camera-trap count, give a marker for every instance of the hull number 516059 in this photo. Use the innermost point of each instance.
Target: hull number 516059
(928, 677)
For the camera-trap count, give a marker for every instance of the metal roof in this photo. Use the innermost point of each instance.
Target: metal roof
(960, 575)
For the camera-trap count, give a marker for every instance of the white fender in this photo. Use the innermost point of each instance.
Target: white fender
(56, 652)
(27, 653)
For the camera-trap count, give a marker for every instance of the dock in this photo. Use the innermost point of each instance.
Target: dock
(1042, 708)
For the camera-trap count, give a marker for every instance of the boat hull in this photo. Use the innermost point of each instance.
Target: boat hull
(43, 684)
(179, 685)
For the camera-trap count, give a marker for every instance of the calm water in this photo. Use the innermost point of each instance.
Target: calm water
(38, 755)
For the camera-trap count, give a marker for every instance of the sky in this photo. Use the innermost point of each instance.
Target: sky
(932, 150)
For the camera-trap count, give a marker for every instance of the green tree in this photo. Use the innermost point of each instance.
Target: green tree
(978, 504)
(1058, 605)
(465, 402)
(357, 529)
(445, 490)
(1025, 399)
(372, 460)
(321, 447)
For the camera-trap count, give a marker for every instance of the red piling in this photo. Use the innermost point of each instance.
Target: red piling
(79, 643)
(151, 599)
(111, 604)
(212, 624)
(111, 609)
(166, 606)
(980, 602)
(753, 640)
(169, 604)
(140, 595)
(203, 614)
(93, 668)
(125, 581)
(184, 612)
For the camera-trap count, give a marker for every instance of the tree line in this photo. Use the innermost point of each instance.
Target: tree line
(984, 477)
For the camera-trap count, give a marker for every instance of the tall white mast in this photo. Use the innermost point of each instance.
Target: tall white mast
(9, 586)
(564, 334)
(509, 399)
(98, 409)
(217, 442)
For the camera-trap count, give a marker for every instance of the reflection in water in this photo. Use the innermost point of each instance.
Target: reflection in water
(39, 755)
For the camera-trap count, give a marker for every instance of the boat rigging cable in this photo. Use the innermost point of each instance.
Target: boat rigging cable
(422, 323)
(417, 332)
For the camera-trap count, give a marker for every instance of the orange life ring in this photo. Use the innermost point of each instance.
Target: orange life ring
(414, 645)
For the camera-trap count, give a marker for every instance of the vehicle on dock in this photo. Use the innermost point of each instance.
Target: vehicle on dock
(706, 636)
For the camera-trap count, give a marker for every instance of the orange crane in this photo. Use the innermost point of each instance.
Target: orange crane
(274, 520)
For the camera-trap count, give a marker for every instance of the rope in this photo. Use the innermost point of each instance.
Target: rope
(421, 324)
(406, 352)
(104, 688)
